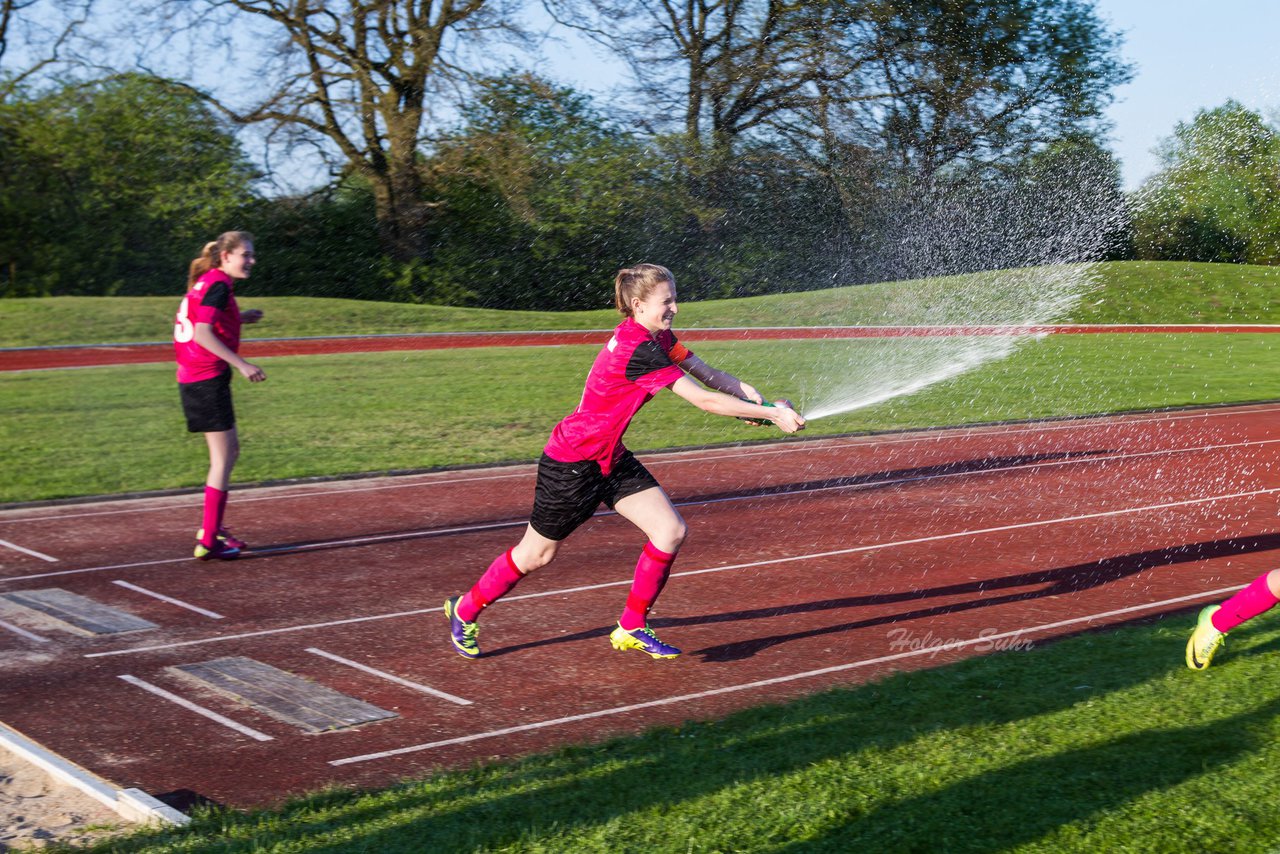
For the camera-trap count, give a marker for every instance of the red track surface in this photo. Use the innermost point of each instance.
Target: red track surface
(40, 358)
(811, 563)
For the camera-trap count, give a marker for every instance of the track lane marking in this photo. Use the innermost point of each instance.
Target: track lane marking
(382, 674)
(712, 455)
(769, 562)
(18, 548)
(199, 710)
(492, 526)
(777, 680)
(213, 615)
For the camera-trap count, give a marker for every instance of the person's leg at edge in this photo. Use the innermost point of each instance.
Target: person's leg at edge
(652, 512)
(1260, 595)
(224, 450)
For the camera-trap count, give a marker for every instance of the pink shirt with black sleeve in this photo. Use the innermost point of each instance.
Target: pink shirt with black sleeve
(211, 300)
(628, 372)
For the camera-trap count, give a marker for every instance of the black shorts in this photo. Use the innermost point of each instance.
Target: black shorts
(207, 404)
(568, 493)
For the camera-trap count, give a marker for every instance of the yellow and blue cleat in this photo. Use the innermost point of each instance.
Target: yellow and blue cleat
(642, 639)
(1205, 640)
(463, 634)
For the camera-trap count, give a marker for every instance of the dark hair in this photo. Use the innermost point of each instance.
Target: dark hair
(637, 283)
(211, 255)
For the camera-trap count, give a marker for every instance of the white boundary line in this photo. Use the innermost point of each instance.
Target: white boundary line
(769, 562)
(870, 484)
(94, 569)
(145, 592)
(17, 630)
(199, 710)
(18, 548)
(698, 455)
(777, 680)
(416, 686)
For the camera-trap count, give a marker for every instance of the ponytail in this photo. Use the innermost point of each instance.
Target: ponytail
(211, 256)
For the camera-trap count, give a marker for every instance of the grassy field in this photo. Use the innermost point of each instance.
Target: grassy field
(380, 412)
(1121, 292)
(1100, 742)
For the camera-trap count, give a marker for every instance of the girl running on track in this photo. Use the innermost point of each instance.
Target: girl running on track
(206, 336)
(585, 463)
(1262, 594)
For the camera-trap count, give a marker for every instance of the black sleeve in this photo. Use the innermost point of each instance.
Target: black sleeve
(217, 296)
(646, 359)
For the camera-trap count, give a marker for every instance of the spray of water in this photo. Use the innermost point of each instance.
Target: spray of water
(859, 373)
(1035, 240)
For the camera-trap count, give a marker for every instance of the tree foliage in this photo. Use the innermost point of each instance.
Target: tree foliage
(773, 145)
(540, 198)
(126, 178)
(1217, 194)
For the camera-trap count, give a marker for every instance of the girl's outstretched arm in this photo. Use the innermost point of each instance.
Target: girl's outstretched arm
(786, 419)
(718, 379)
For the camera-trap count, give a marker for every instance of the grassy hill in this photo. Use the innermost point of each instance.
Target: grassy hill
(1118, 292)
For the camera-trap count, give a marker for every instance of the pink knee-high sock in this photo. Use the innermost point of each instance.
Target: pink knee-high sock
(498, 579)
(1245, 605)
(215, 506)
(652, 571)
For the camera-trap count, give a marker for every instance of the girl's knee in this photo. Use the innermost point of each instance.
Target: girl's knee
(527, 559)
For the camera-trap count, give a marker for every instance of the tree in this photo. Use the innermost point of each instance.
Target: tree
(112, 186)
(362, 80)
(900, 106)
(541, 199)
(1217, 194)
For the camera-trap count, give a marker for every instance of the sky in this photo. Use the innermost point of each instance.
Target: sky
(1189, 55)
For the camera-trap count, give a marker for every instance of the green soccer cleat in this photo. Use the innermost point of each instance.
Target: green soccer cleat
(1204, 641)
(461, 632)
(218, 551)
(642, 639)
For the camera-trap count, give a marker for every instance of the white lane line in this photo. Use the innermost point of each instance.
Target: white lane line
(711, 455)
(94, 569)
(18, 548)
(263, 632)
(381, 674)
(985, 638)
(771, 561)
(871, 484)
(145, 592)
(31, 636)
(199, 710)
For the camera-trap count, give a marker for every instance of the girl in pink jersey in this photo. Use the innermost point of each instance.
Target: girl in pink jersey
(206, 337)
(585, 463)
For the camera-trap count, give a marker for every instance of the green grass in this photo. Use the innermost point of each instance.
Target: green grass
(119, 429)
(1101, 742)
(1123, 292)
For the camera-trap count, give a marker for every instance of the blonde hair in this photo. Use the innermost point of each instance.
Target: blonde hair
(637, 283)
(211, 255)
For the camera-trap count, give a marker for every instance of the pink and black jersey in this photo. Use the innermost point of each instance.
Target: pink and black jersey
(211, 300)
(630, 370)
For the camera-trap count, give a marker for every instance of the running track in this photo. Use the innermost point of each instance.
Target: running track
(811, 563)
